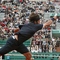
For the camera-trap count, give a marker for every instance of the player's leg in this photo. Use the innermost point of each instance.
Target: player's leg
(27, 55)
(9, 46)
(5, 49)
(23, 50)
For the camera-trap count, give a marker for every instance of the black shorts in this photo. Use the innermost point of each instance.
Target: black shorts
(13, 44)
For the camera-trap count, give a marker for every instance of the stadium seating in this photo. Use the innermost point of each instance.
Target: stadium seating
(2, 42)
(27, 43)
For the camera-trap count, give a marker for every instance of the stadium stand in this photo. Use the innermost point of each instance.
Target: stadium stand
(18, 13)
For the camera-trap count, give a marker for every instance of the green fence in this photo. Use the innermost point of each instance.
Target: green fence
(46, 56)
(14, 58)
(35, 56)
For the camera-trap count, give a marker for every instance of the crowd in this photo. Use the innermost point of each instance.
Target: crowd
(42, 42)
(17, 12)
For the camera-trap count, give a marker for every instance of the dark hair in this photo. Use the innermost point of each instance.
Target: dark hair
(34, 17)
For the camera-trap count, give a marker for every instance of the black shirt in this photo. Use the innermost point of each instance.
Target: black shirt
(29, 29)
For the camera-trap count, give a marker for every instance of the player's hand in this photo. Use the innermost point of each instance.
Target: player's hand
(16, 37)
(16, 30)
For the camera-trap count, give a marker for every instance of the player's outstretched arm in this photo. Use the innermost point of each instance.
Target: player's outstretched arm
(49, 22)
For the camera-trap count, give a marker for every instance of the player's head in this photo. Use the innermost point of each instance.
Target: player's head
(34, 17)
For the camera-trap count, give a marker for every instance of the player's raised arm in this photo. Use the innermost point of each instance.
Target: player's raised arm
(49, 22)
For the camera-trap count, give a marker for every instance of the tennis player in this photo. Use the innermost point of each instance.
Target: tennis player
(25, 32)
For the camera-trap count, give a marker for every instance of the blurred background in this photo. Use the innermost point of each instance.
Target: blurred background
(45, 44)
